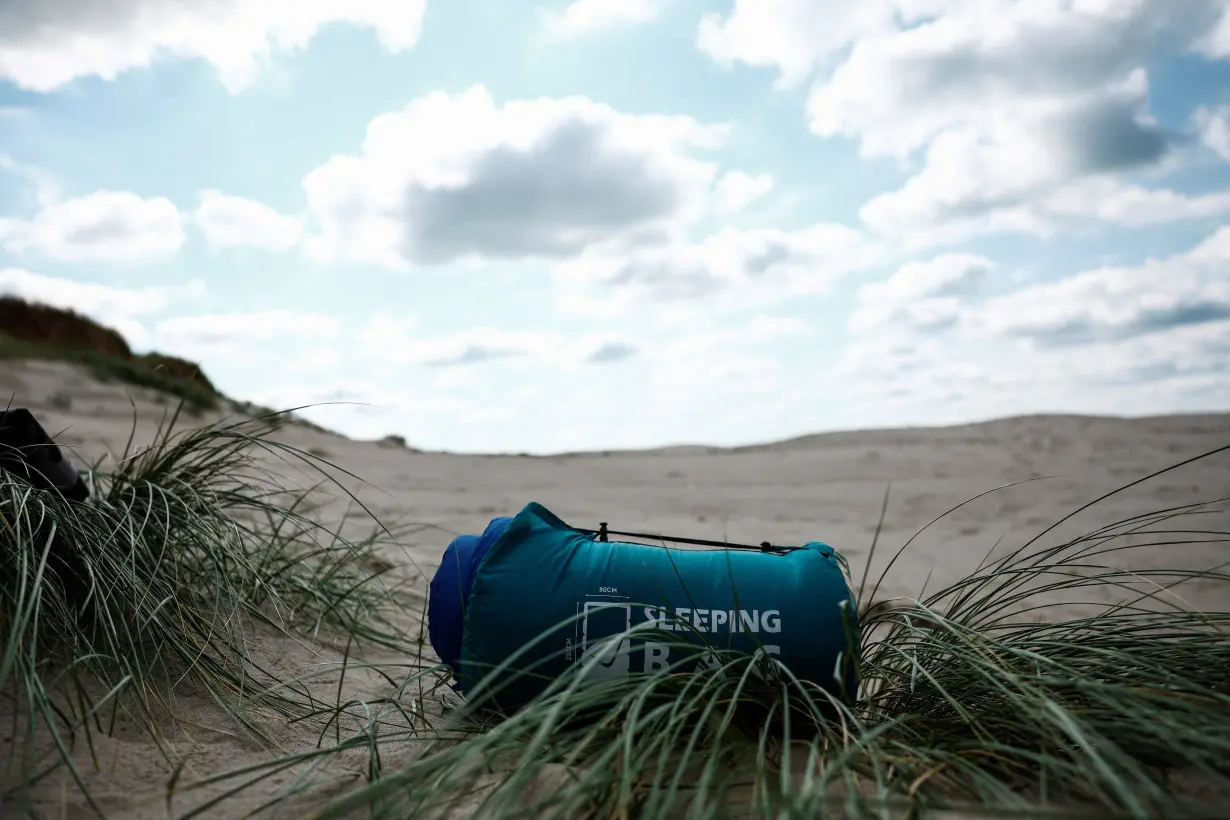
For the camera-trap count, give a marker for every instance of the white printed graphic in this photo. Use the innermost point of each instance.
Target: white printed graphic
(602, 633)
(609, 652)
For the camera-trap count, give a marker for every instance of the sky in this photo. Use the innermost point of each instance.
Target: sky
(523, 226)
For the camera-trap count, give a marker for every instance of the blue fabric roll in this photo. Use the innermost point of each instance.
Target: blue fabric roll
(632, 607)
(450, 590)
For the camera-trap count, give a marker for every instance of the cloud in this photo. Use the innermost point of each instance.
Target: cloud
(474, 354)
(992, 173)
(572, 400)
(768, 261)
(1215, 43)
(1084, 343)
(953, 274)
(231, 221)
(918, 66)
(970, 62)
(922, 295)
(793, 36)
(611, 352)
(105, 226)
(1179, 371)
(1113, 304)
(763, 327)
(734, 357)
(120, 308)
(1106, 201)
(246, 336)
(363, 408)
(1214, 126)
(383, 335)
(90, 297)
(914, 369)
(587, 16)
(738, 189)
(393, 341)
(455, 177)
(47, 44)
(1084, 205)
(1015, 181)
(1019, 111)
(1193, 358)
(43, 187)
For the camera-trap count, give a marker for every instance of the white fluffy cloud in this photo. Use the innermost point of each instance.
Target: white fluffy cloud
(48, 43)
(750, 264)
(793, 36)
(738, 189)
(1113, 203)
(91, 297)
(1021, 111)
(1112, 304)
(1215, 42)
(112, 226)
(1002, 163)
(124, 309)
(973, 61)
(736, 359)
(398, 341)
(612, 352)
(245, 336)
(1188, 364)
(951, 200)
(1078, 342)
(921, 295)
(1214, 126)
(921, 373)
(675, 363)
(457, 176)
(383, 336)
(231, 221)
(585, 16)
(479, 346)
(40, 188)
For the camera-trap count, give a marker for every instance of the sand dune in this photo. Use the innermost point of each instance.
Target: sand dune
(824, 487)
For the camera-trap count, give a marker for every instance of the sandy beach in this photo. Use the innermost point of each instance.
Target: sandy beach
(827, 487)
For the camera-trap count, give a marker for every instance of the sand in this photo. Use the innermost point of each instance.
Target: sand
(825, 487)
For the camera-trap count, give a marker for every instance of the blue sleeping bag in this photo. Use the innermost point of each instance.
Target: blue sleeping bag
(450, 590)
(622, 608)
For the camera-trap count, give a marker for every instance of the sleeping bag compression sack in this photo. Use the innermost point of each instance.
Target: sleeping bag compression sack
(621, 608)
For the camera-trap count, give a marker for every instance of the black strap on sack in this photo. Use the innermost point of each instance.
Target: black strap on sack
(602, 532)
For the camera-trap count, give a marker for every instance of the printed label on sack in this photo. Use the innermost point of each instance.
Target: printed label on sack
(607, 650)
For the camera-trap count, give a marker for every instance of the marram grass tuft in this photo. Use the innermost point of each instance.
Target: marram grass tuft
(178, 557)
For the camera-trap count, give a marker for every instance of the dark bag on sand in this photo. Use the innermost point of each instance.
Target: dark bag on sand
(27, 452)
(29, 455)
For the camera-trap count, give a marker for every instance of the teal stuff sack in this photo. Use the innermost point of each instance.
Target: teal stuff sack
(622, 608)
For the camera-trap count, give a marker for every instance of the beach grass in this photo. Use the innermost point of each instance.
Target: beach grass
(977, 699)
(188, 550)
(974, 702)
